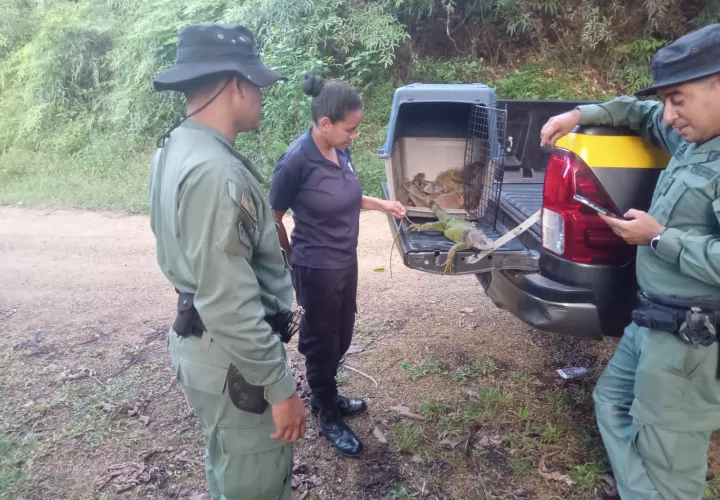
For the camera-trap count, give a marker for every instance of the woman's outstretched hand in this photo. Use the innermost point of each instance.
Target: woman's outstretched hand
(395, 208)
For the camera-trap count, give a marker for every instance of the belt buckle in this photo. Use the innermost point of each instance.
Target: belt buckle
(697, 330)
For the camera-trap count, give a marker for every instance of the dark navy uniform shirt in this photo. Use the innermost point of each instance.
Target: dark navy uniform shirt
(325, 199)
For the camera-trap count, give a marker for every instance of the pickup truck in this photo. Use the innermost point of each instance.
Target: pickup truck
(569, 273)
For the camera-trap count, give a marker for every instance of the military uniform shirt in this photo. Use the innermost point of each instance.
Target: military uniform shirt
(216, 238)
(686, 200)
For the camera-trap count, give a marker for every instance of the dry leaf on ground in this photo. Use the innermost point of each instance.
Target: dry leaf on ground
(553, 476)
(450, 443)
(379, 435)
(404, 411)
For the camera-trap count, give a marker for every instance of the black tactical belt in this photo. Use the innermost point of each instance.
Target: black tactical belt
(188, 322)
(695, 323)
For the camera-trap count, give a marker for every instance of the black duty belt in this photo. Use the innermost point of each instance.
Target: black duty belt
(188, 322)
(695, 323)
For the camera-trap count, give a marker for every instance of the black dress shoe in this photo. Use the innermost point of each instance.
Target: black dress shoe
(347, 406)
(351, 406)
(338, 433)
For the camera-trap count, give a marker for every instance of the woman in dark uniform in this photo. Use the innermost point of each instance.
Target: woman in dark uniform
(316, 178)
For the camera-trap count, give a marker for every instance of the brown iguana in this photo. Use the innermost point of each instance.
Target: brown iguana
(463, 233)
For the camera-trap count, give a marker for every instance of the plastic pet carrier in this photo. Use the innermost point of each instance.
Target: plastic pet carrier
(445, 143)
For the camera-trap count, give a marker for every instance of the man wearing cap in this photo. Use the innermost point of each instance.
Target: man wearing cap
(659, 398)
(217, 244)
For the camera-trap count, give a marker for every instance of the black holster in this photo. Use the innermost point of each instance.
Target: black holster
(282, 324)
(695, 323)
(187, 321)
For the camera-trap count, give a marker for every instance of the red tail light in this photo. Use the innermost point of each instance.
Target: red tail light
(570, 229)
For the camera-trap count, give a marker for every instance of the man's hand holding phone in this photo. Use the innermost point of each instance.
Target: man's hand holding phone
(639, 228)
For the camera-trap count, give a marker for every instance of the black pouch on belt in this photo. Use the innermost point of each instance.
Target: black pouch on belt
(657, 317)
(246, 397)
(187, 321)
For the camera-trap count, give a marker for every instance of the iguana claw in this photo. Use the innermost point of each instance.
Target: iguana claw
(448, 266)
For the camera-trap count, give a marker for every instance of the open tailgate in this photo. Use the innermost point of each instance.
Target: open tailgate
(427, 250)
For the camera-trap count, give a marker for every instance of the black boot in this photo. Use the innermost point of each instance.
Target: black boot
(349, 407)
(337, 431)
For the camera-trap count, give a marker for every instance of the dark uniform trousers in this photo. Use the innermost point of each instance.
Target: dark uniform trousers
(329, 299)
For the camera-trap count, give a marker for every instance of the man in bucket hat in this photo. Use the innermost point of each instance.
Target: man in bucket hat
(658, 400)
(217, 244)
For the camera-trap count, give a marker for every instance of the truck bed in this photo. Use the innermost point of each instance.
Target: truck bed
(517, 203)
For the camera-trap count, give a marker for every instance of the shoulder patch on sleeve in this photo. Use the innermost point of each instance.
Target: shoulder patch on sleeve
(239, 226)
(248, 205)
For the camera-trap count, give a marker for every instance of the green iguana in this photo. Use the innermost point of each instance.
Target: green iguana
(463, 233)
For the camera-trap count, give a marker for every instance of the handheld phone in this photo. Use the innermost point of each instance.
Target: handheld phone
(597, 207)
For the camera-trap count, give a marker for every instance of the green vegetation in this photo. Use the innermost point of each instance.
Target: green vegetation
(407, 437)
(12, 456)
(422, 369)
(79, 118)
(475, 369)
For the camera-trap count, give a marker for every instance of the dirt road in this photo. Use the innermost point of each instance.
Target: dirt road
(90, 409)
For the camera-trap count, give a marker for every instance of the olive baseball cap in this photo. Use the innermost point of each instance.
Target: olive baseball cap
(690, 57)
(211, 48)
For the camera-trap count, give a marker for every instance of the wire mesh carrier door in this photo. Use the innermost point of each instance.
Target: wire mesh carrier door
(484, 163)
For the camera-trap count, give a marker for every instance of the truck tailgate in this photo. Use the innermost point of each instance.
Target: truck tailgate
(427, 250)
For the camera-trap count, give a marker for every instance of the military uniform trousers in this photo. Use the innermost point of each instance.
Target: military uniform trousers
(657, 403)
(242, 462)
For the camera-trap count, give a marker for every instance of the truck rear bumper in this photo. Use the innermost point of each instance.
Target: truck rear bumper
(543, 303)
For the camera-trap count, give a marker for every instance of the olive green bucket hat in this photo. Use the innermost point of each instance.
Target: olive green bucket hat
(690, 57)
(212, 48)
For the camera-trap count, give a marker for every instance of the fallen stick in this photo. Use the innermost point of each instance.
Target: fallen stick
(361, 373)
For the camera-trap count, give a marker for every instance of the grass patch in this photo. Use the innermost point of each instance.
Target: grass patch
(476, 369)
(407, 437)
(422, 369)
(364, 327)
(105, 174)
(93, 427)
(524, 412)
(433, 410)
(402, 493)
(585, 476)
(521, 467)
(558, 401)
(523, 443)
(96, 418)
(521, 377)
(497, 400)
(712, 489)
(474, 413)
(364, 332)
(13, 454)
(549, 80)
(551, 434)
(451, 425)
